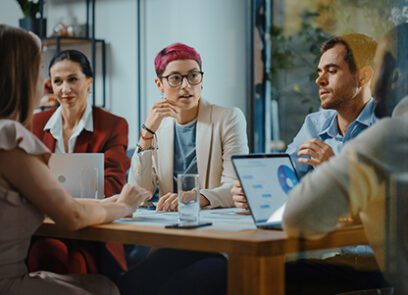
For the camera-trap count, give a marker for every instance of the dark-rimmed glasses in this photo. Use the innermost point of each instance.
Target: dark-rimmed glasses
(176, 79)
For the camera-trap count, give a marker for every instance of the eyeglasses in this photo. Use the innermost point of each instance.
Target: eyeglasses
(176, 79)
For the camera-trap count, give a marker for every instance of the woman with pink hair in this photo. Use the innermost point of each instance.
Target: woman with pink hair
(183, 133)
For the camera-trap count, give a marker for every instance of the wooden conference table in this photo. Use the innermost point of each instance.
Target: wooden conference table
(256, 257)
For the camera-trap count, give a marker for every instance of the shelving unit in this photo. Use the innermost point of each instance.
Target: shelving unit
(60, 42)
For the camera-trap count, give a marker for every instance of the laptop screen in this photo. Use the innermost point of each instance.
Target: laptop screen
(266, 180)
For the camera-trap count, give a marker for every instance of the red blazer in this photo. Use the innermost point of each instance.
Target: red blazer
(110, 136)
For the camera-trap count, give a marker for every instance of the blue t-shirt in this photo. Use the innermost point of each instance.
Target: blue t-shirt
(185, 158)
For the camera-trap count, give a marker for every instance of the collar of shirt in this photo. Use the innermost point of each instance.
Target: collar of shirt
(366, 118)
(54, 125)
(189, 124)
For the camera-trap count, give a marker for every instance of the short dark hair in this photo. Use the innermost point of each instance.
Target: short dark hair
(20, 58)
(360, 49)
(74, 56)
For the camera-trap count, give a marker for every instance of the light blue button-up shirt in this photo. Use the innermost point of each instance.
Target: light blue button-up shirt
(323, 126)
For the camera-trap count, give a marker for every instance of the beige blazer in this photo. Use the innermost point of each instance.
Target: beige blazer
(221, 133)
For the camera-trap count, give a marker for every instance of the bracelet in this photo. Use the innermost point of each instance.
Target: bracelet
(147, 129)
(146, 137)
(140, 149)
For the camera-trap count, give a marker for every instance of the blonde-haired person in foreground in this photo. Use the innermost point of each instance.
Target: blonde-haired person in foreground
(28, 191)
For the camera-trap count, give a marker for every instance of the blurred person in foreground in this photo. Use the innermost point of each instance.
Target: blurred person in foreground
(28, 191)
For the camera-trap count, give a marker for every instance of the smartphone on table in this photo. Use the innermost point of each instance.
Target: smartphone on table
(188, 226)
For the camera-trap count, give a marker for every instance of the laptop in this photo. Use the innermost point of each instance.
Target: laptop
(266, 180)
(81, 175)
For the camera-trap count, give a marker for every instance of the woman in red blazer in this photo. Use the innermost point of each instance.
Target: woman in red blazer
(76, 127)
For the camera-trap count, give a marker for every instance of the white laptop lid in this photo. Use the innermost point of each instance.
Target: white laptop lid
(266, 180)
(82, 175)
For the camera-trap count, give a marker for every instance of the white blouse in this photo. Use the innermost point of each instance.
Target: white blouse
(55, 125)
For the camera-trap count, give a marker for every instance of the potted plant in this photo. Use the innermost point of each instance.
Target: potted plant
(32, 20)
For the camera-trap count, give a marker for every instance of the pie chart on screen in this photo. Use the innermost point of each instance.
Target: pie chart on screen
(287, 178)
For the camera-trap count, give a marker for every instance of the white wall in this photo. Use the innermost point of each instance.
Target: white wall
(216, 28)
(10, 12)
(116, 24)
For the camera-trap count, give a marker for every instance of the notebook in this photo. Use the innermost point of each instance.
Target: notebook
(81, 175)
(266, 180)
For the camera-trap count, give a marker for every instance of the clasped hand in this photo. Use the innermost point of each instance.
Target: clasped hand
(318, 151)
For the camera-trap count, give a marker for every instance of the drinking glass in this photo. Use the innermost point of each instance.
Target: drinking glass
(188, 199)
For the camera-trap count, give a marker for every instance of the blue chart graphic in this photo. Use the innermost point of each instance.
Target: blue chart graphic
(287, 178)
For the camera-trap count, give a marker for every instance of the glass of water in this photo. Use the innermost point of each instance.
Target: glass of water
(188, 199)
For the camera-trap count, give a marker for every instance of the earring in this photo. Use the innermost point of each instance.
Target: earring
(162, 94)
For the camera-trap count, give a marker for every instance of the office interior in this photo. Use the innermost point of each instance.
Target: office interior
(258, 55)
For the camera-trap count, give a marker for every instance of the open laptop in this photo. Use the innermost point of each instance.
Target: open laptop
(82, 175)
(266, 180)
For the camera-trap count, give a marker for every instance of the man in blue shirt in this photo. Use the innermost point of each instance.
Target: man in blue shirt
(345, 72)
(344, 77)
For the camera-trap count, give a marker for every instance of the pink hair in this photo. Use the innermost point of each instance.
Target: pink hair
(173, 52)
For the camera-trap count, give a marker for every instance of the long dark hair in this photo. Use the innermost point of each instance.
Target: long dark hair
(20, 58)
